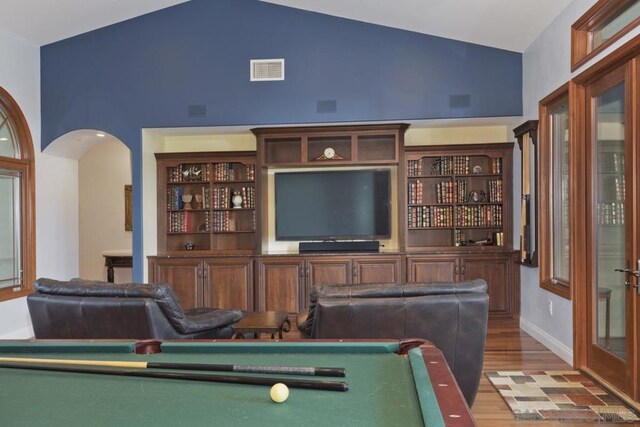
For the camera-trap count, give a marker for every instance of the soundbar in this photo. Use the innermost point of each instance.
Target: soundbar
(361, 246)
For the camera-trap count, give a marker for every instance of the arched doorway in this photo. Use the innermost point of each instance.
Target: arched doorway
(103, 193)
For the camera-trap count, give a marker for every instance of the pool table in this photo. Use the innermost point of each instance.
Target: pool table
(391, 383)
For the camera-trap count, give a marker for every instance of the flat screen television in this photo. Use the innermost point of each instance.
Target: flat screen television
(333, 205)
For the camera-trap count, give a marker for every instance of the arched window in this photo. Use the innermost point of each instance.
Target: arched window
(17, 201)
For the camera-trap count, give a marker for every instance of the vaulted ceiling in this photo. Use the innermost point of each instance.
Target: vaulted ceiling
(505, 24)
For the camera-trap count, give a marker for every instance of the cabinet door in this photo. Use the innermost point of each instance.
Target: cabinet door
(432, 268)
(281, 284)
(228, 283)
(184, 274)
(377, 270)
(328, 271)
(496, 270)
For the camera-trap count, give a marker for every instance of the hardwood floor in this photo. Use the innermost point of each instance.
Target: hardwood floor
(509, 348)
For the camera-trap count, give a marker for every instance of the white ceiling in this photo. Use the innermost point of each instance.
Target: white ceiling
(506, 24)
(48, 21)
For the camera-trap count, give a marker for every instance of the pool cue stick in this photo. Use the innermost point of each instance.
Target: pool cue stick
(187, 376)
(247, 369)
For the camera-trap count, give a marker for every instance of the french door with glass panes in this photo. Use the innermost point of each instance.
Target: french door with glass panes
(611, 255)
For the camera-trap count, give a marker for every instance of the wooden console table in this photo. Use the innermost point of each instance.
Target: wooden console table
(116, 260)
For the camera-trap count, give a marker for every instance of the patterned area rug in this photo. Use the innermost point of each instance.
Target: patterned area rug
(559, 396)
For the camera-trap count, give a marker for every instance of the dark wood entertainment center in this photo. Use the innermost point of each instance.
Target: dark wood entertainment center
(453, 219)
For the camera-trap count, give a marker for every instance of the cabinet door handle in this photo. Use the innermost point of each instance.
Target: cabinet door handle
(463, 270)
(354, 271)
(455, 270)
(205, 274)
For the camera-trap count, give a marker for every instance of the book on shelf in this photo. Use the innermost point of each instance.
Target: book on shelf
(414, 168)
(451, 165)
(429, 216)
(174, 198)
(495, 191)
(496, 165)
(180, 222)
(233, 172)
(479, 216)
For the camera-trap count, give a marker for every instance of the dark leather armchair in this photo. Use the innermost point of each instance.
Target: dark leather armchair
(82, 309)
(453, 316)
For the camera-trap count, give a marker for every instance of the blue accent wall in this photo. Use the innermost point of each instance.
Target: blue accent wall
(147, 71)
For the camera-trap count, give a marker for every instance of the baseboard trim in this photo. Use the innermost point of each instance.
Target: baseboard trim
(20, 334)
(562, 351)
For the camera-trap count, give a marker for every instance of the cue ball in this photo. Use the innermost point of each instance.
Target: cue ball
(279, 393)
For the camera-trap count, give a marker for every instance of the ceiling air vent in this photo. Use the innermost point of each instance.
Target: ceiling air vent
(264, 70)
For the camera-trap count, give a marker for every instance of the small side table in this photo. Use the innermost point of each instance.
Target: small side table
(112, 261)
(258, 322)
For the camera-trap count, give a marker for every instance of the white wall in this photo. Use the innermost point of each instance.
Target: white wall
(56, 206)
(546, 65)
(103, 171)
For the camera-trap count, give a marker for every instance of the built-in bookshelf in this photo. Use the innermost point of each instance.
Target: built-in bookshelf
(458, 196)
(207, 202)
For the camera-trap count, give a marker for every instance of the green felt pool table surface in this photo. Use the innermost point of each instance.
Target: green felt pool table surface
(385, 388)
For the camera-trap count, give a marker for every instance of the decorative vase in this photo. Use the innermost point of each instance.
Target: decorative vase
(198, 203)
(237, 201)
(186, 199)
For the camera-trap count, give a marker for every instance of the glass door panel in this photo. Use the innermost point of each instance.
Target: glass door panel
(609, 292)
(9, 229)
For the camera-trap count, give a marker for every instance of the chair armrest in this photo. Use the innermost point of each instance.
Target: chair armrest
(202, 319)
(304, 324)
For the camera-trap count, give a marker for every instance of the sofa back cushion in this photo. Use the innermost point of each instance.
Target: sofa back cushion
(162, 294)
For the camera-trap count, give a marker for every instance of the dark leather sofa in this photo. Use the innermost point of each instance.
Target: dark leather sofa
(453, 316)
(82, 309)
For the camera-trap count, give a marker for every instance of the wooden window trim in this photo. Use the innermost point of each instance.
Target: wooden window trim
(581, 31)
(548, 104)
(26, 165)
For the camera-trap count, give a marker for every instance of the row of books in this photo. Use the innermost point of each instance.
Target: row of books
(233, 172)
(430, 216)
(611, 213)
(174, 198)
(224, 221)
(414, 167)
(496, 165)
(450, 192)
(189, 172)
(495, 191)
(447, 165)
(181, 222)
(479, 216)
(415, 192)
(221, 221)
(221, 197)
(451, 165)
(248, 197)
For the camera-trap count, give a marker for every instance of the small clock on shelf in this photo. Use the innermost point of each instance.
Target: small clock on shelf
(329, 153)
(477, 196)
